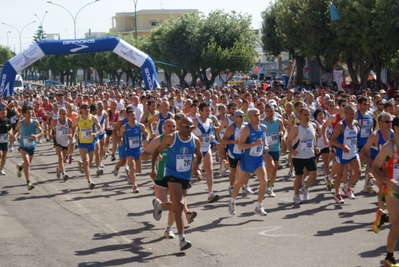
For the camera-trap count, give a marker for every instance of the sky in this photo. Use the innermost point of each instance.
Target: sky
(96, 16)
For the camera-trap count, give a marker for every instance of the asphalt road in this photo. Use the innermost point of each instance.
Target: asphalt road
(65, 224)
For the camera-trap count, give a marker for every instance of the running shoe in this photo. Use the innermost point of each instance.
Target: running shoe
(390, 262)
(65, 176)
(247, 190)
(291, 174)
(280, 166)
(136, 189)
(168, 234)
(19, 170)
(157, 212)
(2, 172)
(12, 148)
(270, 192)
(30, 186)
(66, 159)
(348, 192)
(113, 158)
(378, 222)
(338, 199)
(91, 185)
(102, 165)
(80, 163)
(305, 192)
(184, 244)
(99, 172)
(230, 189)
(232, 208)
(190, 216)
(116, 170)
(260, 211)
(297, 199)
(368, 187)
(58, 173)
(217, 157)
(105, 156)
(70, 159)
(212, 198)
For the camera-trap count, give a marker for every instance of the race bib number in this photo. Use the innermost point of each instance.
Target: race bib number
(4, 138)
(351, 141)
(306, 145)
(134, 142)
(365, 131)
(62, 133)
(86, 133)
(272, 139)
(28, 141)
(256, 151)
(183, 163)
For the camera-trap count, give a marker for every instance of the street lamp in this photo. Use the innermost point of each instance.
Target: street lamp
(73, 18)
(20, 33)
(41, 20)
(135, 19)
(7, 38)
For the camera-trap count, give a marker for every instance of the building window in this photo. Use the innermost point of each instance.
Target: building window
(154, 23)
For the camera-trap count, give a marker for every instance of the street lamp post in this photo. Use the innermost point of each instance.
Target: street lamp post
(8, 44)
(73, 17)
(41, 21)
(20, 33)
(135, 19)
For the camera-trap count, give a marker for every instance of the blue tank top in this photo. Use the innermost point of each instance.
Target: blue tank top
(272, 135)
(366, 127)
(26, 141)
(180, 157)
(232, 149)
(161, 121)
(254, 155)
(375, 149)
(349, 139)
(132, 137)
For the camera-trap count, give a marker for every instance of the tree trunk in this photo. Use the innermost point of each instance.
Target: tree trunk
(194, 79)
(299, 69)
(168, 78)
(182, 76)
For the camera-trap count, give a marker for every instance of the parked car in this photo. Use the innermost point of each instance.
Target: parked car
(27, 85)
(53, 82)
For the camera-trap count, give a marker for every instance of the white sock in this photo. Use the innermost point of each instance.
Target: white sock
(233, 200)
(258, 204)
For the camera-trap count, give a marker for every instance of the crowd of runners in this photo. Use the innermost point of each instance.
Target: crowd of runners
(185, 132)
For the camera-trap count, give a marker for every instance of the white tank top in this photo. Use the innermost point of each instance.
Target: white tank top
(304, 142)
(61, 133)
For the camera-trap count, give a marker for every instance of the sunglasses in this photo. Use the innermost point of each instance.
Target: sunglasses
(240, 116)
(187, 126)
(387, 122)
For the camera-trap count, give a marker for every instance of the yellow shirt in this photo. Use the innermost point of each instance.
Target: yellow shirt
(86, 127)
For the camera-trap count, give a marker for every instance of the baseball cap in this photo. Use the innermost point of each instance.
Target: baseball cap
(238, 112)
(382, 91)
(326, 96)
(272, 102)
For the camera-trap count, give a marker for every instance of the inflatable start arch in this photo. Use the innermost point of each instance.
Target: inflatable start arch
(77, 46)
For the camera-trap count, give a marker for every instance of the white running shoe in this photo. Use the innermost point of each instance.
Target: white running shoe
(184, 244)
(260, 211)
(338, 199)
(247, 190)
(168, 234)
(305, 192)
(297, 199)
(157, 212)
(2, 172)
(232, 208)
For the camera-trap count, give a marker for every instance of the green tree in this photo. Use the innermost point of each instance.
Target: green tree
(5, 54)
(40, 35)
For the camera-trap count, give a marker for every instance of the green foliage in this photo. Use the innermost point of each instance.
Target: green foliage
(359, 39)
(5, 54)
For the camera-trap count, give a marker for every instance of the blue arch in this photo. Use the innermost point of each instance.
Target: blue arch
(77, 46)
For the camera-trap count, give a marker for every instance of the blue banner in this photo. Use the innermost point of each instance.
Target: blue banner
(77, 46)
